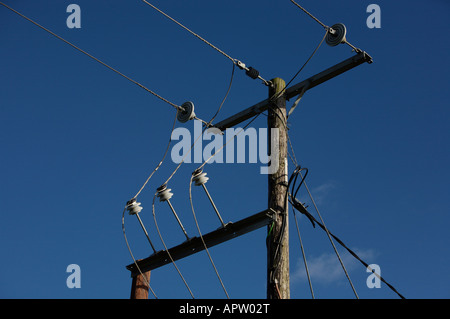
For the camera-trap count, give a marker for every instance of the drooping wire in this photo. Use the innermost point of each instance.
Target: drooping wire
(320, 216)
(135, 196)
(297, 172)
(176, 169)
(207, 125)
(147, 280)
(94, 58)
(203, 241)
(309, 59)
(229, 140)
(298, 206)
(303, 254)
(313, 220)
(167, 250)
(162, 160)
(250, 71)
(276, 96)
(331, 240)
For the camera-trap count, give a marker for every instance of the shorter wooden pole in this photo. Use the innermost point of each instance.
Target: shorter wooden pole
(139, 286)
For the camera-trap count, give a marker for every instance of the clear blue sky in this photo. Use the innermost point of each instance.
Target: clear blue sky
(78, 141)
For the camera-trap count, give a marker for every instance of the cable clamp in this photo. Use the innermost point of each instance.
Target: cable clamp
(240, 64)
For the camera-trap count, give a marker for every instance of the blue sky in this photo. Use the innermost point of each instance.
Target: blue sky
(78, 141)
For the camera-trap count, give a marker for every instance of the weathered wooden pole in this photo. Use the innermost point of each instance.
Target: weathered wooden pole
(278, 234)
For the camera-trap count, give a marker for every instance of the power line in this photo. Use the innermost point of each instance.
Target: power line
(147, 280)
(251, 72)
(162, 160)
(203, 241)
(229, 140)
(307, 61)
(297, 205)
(337, 31)
(207, 125)
(293, 78)
(303, 254)
(296, 172)
(331, 241)
(313, 17)
(94, 58)
(167, 250)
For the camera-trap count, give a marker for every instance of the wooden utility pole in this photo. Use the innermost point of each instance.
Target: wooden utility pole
(139, 286)
(278, 234)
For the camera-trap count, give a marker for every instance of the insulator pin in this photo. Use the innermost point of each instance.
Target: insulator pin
(133, 207)
(199, 178)
(164, 193)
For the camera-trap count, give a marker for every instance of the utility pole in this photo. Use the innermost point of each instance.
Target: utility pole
(139, 286)
(278, 234)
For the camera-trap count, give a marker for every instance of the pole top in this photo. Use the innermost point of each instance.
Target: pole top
(278, 86)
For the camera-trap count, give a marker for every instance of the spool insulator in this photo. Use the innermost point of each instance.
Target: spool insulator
(164, 193)
(133, 207)
(199, 178)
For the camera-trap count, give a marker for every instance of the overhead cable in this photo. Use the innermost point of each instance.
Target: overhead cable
(297, 172)
(163, 242)
(162, 160)
(300, 207)
(94, 58)
(335, 34)
(303, 254)
(200, 179)
(146, 280)
(207, 126)
(251, 72)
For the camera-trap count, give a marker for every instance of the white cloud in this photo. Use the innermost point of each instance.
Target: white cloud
(319, 193)
(326, 268)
